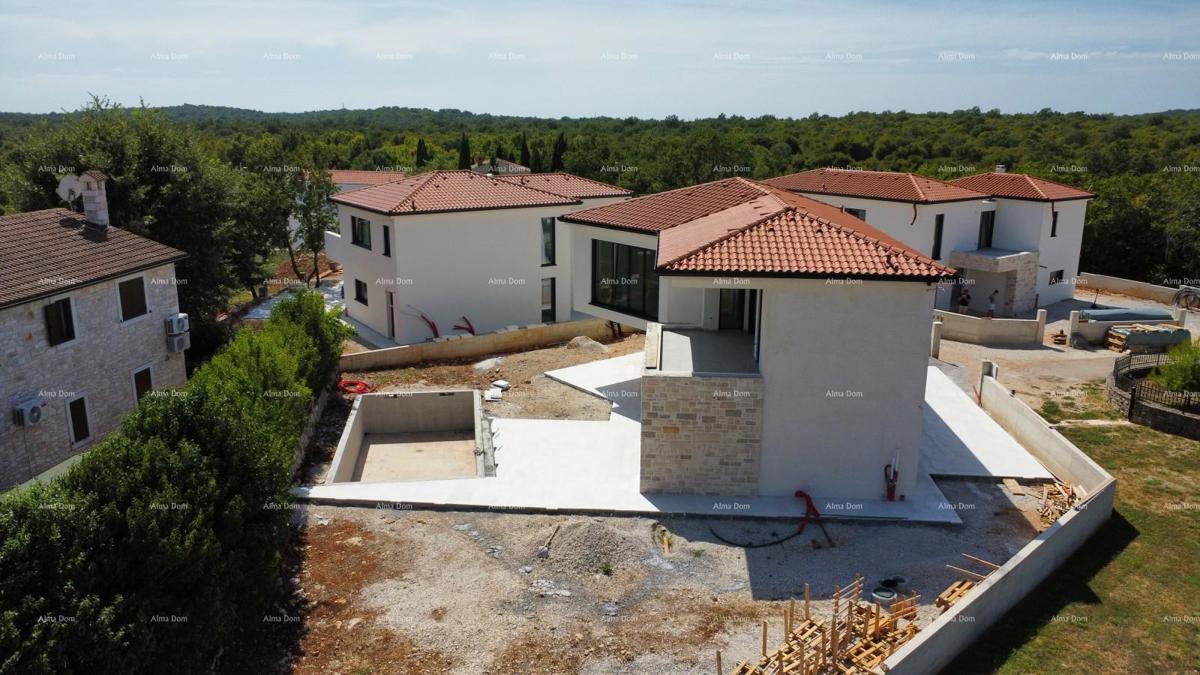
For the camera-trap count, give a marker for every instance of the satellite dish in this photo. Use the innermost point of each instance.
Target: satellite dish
(69, 188)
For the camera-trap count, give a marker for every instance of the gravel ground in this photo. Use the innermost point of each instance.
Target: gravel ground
(466, 592)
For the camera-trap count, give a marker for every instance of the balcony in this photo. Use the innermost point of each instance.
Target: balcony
(699, 353)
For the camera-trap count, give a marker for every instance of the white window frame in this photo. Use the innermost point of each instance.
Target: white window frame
(133, 380)
(145, 293)
(87, 411)
(75, 326)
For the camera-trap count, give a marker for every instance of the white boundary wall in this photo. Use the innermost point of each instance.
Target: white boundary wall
(940, 642)
(1134, 289)
(983, 331)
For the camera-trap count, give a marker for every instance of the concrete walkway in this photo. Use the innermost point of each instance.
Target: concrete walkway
(594, 466)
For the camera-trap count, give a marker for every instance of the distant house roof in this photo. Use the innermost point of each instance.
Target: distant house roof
(44, 253)
(1021, 186)
(355, 177)
(738, 226)
(568, 185)
(443, 191)
(885, 185)
(501, 166)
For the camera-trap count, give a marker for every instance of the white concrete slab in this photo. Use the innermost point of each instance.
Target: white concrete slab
(960, 439)
(618, 379)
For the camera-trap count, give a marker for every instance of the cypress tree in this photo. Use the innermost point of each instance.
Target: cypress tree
(422, 153)
(560, 147)
(524, 150)
(464, 152)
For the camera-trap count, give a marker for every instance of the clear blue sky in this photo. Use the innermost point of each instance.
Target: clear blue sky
(693, 58)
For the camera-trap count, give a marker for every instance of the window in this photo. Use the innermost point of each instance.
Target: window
(133, 298)
(360, 232)
(360, 291)
(60, 322)
(1054, 223)
(387, 241)
(548, 301)
(987, 224)
(861, 214)
(1056, 277)
(547, 241)
(939, 223)
(142, 383)
(81, 430)
(623, 278)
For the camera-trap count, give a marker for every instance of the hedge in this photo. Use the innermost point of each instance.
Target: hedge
(156, 547)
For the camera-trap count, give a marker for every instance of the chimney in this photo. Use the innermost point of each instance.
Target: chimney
(95, 200)
(1000, 168)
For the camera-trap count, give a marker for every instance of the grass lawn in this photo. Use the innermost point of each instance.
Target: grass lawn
(1129, 600)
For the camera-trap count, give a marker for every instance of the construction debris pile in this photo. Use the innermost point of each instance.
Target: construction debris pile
(1057, 500)
(857, 637)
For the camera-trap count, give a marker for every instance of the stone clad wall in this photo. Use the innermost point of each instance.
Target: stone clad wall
(98, 364)
(701, 435)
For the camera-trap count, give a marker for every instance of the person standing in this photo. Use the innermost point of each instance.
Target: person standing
(992, 304)
(964, 301)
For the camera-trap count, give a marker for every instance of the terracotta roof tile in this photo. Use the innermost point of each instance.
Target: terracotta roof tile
(740, 226)
(46, 252)
(1021, 186)
(567, 185)
(886, 185)
(442, 191)
(352, 177)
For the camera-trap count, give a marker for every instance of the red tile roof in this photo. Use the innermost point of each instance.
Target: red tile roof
(885, 185)
(567, 185)
(1021, 186)
(352, 177)
(442, 191)
(47, 252)
(741, 226)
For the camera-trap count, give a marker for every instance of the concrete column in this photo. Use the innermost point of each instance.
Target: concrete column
(1074, 327)
(935, 340)
(1041, 328)
(987, 368)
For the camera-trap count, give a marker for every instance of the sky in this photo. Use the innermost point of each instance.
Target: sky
(693, 58)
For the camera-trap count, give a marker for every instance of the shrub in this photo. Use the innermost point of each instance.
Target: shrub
(1182, 373)
(151, 552)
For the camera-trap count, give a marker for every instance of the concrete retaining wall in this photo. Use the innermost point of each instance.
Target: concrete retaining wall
(502, 341)
(1134, 289)
(982, 331)
(1095, 331)
(968, 620)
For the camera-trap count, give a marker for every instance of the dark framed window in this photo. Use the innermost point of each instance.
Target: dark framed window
(360, 291)
(861, 214)
(81, 429)
(60, 322)
(360, 232)
(387, 241)
(1056, 277)
(987, 226)
(547, 242)
(1054, 223)
(939, 224)
(624, 279)
(133, 298)
(142, 383)
(548, 308)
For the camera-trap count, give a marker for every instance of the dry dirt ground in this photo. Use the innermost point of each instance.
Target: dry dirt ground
(382, 590)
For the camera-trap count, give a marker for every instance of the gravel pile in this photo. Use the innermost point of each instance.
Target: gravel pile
(588, 547)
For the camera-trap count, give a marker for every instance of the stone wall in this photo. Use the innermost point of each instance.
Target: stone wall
(98, 365)
(701, 435)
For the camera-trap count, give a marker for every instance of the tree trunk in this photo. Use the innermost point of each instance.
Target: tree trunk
(295, 267)
(316, 267)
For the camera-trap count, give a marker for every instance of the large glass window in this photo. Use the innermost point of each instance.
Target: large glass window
(987, 224)
(547, 241)
(548, 301)
(360, 232)
(624, 279)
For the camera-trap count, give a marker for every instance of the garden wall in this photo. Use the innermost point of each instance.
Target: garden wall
(983, 331)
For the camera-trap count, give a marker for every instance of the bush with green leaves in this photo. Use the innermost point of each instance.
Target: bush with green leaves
(153, 550)
(1182, 372)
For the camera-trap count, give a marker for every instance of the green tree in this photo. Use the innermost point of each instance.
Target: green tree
(315, 214)
(560, 149)
(464, 152)
(525, 159)
(422, 157)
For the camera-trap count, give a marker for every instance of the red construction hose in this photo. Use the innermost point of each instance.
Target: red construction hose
(353, 386)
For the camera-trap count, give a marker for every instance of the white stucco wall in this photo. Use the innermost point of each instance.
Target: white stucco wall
(842, 396)
(1025, 226)
(98, 365)
(581, 237)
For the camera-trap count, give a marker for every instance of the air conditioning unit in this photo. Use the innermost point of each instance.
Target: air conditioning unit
(178, 343)
(178, 324)
(29, 412)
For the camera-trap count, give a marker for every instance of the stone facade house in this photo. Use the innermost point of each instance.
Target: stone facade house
(83, 308)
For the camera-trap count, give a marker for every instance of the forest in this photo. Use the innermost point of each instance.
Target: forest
(214, 181)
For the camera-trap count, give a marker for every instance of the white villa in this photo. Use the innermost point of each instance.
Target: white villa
(1007, 232)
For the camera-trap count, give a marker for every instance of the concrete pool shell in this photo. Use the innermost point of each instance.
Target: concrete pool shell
(414, 436)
